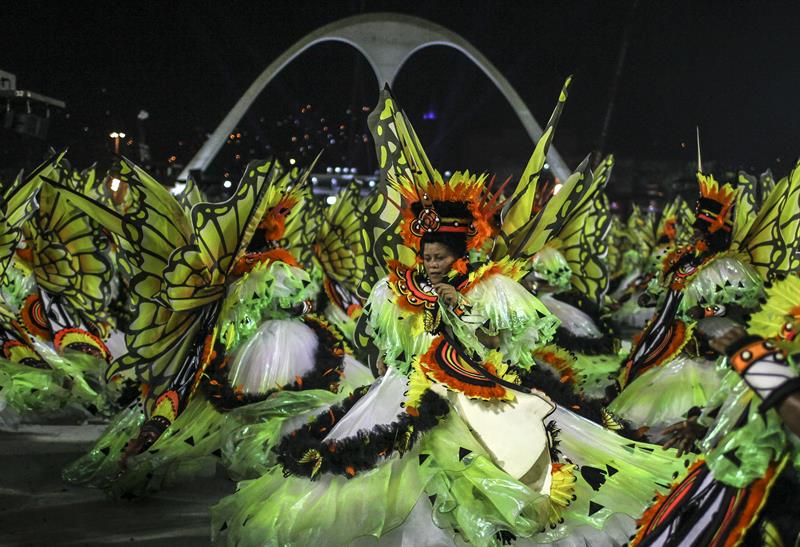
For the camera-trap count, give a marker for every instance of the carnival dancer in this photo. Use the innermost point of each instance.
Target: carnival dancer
(570, 276)
(746, 437)
(424, 453)
(653, 237)
(55, 302)
(735, 252)
(215, 297)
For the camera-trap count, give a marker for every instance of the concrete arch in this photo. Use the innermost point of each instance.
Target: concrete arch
(386, 41)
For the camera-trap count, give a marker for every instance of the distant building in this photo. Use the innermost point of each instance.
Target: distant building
(24, 124)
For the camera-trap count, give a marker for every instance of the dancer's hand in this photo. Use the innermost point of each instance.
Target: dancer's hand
(447, 293)
(135, 446)
(682, 435)
(148, 435)
(380, 366)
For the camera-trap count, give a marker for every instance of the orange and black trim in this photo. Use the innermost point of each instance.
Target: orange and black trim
(33, 317)
(81, 341)
(704, 509)
(443, 363)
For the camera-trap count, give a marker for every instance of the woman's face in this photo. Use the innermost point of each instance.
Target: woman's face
(437, 259)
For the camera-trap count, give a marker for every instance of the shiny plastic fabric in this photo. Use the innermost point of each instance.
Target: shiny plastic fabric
(522, 320)
(595, 373)
(73, 379)
(185, 451)
(758, 442)
(468, 492)
(100, 466)
(250, 432)
(25, 390)
(267, 292)
(574, 320)
(18, 285)
(629, 473)
(664, 394)
(551, 266)
(724, 281)
(341, 320)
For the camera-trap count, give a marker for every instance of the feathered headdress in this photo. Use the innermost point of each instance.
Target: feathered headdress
(285, 192)
(714, 206)
(464, 205)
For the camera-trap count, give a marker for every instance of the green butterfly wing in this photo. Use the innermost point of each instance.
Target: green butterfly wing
(303, 221)
(517, 212)
(772, 238)
(190, 195)
(71, 257)
(746, 206)
(584, 235)
(550, 220)
(196, 274)
(17, 205)
(338, 244)
(400, 154)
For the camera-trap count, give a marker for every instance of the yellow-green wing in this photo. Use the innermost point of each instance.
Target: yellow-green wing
(196, 274)
(766, 183)
(190, 195)
(517, 212)
(772, 240)
(338, 245)
(746, 206)
(548, 223)
(153, 226)
(584, 237)
(396, 143)
(161, 342)
(16, 207)
(399, 154)
(71, 256)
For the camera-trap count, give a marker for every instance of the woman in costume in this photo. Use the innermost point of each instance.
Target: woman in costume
(719, 278)
(220, 324)
(747, 436)
(55, 302)
(428, 443)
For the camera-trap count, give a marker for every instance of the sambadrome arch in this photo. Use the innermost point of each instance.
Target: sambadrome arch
(386, 40)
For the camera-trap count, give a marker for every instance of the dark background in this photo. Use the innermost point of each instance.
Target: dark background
(732, 68)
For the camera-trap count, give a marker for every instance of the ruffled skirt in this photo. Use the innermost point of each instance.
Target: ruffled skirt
(602, 483)
(664, 394)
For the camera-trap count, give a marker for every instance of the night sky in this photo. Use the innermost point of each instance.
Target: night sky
(732, 68)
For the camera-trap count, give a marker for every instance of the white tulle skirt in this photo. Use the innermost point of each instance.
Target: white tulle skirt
(280, 351)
